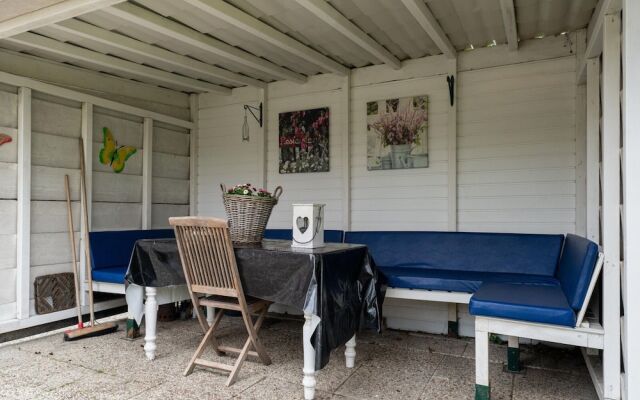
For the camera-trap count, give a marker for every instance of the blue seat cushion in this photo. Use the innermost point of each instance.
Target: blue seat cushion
(110, 274)
(454, 281)
(330, 235)
(578, 260)
(544, 304)
(464, 251)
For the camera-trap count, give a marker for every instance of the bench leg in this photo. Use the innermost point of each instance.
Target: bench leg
(483, 391)
(452, 328)
(513, 355)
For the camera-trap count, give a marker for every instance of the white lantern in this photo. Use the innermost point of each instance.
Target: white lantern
(308, 225)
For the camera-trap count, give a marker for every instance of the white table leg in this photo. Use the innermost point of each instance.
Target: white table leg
(211, 312)
(150, 319)
(350, 352)
(309, 370)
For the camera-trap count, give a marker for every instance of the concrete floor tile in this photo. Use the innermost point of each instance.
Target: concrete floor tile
(497, 352)
(550, 383)
(444, 388)
(276, 389)
(464, 370)
(419, 341)
(101, 386)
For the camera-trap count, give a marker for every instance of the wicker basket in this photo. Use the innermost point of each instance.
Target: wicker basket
(248, 215)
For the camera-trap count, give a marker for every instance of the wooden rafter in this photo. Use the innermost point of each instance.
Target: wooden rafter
(238, 18)
(510, 25)
(331, 16)
(116, 40)
(42, 43)
(164, 26)
(430, 25)
(594, 33)
(52, 14)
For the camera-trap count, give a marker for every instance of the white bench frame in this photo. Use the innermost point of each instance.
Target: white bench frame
(589, 335)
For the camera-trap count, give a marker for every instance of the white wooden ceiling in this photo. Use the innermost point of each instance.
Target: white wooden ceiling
(215, 45)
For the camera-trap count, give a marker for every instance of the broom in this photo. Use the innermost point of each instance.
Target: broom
(93, 329)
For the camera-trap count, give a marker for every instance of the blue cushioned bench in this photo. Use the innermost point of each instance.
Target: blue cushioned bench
(330, 236)
(111, 252)
(451, 266)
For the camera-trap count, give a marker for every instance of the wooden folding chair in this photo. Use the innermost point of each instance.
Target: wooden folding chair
(210, 269)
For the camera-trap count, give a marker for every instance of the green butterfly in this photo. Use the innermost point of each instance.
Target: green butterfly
(111, 154)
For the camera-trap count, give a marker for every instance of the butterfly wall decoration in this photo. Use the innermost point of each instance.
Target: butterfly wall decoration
(111, 154)
(4, 139)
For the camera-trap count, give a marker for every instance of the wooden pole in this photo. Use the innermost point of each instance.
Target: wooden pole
(72, 239)
(87, 250)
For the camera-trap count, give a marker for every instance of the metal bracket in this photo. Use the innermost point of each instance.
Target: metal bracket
(258, 118)
(451, 81)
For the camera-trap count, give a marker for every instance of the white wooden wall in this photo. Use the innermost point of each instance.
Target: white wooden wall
(46, 123)
(515, 152)
(8, 196)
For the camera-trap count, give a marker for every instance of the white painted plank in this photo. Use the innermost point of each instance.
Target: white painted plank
(8, 217)
(170, 166)
(147, 171)
(54, 151)
(25, 183)
(126, 129)
(8, 109)
(170, 141)
(51, 216)
(51, 248)
(162, 212)
(509, 21)
(430, 24)
(170, 191)
(7, 251)
(9, 151)
(47, 183)
(8, 180)
(116, 216)
(55, 118)
(116, 188)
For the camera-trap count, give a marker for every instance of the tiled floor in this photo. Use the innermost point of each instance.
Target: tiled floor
(393, 365)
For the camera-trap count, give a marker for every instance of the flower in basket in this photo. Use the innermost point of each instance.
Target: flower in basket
(247, 189)
(402, 127)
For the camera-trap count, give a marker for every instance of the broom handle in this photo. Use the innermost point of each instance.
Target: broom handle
(87, 250)
(72, 238)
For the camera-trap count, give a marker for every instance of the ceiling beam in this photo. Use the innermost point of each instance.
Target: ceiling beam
(430, 24)
(110, 63)
(594, 33)
(510, 25)
(331, 16)
(50, 15)
(154, 22)
(115, 40)
(238, 18)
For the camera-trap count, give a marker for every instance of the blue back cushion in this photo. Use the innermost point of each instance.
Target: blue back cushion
(579, 257)
(330, 235)
(485, 252)
(113, 248)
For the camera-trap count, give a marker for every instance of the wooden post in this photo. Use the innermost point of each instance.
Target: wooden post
(452, 148)
(194, 106)
(24, 204)
(631, 191)
(593, 150)
(346, 152)
(263, 140)
(581, 145)
(87, 141)
(611, 205)
(483, 391)
(147, 172)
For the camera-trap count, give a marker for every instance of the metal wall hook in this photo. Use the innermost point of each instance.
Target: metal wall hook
(451, 81)
(257, 109)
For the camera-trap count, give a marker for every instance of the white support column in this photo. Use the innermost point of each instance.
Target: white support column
(452, 149)
(611, 205)
(631, 192)
(593, 150)
(346, 152)
(147, 171)
(483, 390)
(263, 139)
(87, 142)
(23, 278)
(581, 145)
(194, 106)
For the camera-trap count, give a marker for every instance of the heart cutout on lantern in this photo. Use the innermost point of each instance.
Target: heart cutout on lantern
(303, 224)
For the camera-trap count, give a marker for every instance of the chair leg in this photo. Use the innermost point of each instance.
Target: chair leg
(252, 341)
(199, 350)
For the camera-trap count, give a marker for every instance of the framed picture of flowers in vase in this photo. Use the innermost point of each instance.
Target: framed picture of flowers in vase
(304, 141)
(397, 133)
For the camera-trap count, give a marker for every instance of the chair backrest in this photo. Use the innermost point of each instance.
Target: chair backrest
(576, 268)
(207, 255)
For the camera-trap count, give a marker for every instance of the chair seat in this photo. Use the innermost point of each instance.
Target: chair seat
(546, 304)
(454, 281)
(231, 303)
(110, 274)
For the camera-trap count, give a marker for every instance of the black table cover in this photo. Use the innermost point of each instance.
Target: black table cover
(338, 282)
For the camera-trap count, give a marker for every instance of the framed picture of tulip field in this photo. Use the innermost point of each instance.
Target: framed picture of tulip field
(304, 141)
(397, 133)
